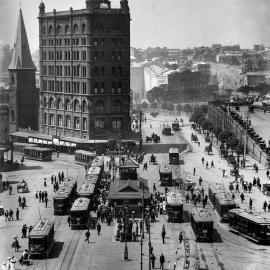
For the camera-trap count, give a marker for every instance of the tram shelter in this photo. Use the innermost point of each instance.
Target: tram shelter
(128, 169)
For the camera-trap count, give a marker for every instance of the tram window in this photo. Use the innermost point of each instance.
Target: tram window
(37, 241)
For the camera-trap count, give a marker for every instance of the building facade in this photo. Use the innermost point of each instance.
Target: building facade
(4, 116)
(23, 95)
(85, 71)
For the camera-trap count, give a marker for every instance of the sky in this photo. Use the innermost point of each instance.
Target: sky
(163, 23)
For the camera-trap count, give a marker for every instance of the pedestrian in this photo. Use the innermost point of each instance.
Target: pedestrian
(10, 189)
(267, 173)
(20, 201)
(200, 181)
(45, 182)
(40, 195)
(6, 215)
(223, 171)
(268, 207)
(237, 187)
(207, 165)
(46, 202)
(187, 198)
(87, 236)
(98, 228)
(202, 192)
(17, 214)
(194, 171)
(180, 237)
(24, 231)
(233, 196)
(250, 203)
(242, 196)
(162, 261)
(203, 160)
(264, 206)
(68, 220)
(163, 234)
(10, 214)
(153, 260)
(23, 202)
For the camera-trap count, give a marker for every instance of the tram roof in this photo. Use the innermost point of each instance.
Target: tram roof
(40, 149)
(174, 199)
(86, 153)
(225, 199)
(262, 218)
(217, 188)
(173, 150)
(65, 187)
(201, 215)
(92, 178)
(80, 204)
(94, 170)
(86, 188)
(41, 228)
(165, 169)
(98, 161)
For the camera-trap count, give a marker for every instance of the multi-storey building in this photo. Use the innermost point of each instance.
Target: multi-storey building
(85, 71)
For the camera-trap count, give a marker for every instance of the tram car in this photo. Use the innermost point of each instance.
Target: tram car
(174, 207)
(187, 184)
(98, 161)
(253, 225)
(165, 174)
(202, 224)
(176, 125)
(174, 156)
(213, 190)
(65, 196)
(80, 214)
(41, 238)
(38, 153)
(84, 157)
(224, 203)
(86, 190)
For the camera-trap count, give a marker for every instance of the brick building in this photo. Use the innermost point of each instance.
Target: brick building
(85, 71)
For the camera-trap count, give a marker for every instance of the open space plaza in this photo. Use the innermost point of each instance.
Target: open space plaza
(227, 251)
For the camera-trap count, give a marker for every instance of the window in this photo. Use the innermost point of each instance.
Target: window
(113, 87)
(59, 120)
(76, 122)
(67, 29)
(83, 28)
(99, 28)
(99, 123)
(84, 123)
(51, 120)
(76, 105)
(116, 123)
(84, 72)
(96, 72)
(100, 107)
(84, 89)
(68, 121)
(59, 104)
(116, 106)
(59, 30)
(75, 29)
(84, 106)
(51, 103)
(68, 105)
(50, 30)
(102, 86)
(83, 55)
(44, 118)
(83, 41)
(119, 90)
(44, 102)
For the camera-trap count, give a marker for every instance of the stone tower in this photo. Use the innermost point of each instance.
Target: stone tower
(24, 96)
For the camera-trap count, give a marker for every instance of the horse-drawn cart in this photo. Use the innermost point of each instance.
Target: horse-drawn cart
(22, 187)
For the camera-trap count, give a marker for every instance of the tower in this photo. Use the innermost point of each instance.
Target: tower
(23, 100)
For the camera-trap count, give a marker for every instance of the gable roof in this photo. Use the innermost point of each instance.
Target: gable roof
(21, 58)
(129, 163)
(127, 189)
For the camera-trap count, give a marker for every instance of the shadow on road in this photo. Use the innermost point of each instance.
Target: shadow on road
(57, 248)
(28, 168)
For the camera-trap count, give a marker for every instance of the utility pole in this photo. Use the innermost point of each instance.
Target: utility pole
(245, 144)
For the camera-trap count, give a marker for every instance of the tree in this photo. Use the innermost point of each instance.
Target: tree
(144, 105)
(224, 135)
(170, 106)
(187, 108)
(153, 105)
(179, 107)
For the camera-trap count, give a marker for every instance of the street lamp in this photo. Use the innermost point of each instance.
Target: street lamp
(125, 219)
(141, 254)
(149, 239)
(245, 143)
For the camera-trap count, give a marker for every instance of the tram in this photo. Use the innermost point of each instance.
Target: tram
(224, 203)
(253, 225)
(98, 161)
(165, 174)
(38, 153)
(176, 125)
(174, 207)
(80, 214)
(94, 171)
(84, 157)
(213, 190)
(202, 224)
(174, 156)
(86, 190)
(65, 196)
(41, 238)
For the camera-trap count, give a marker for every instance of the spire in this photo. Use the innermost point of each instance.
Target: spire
(21, 58)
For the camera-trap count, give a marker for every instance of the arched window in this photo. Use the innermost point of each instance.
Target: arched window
(76, 105)
(59, 104)
(12, 80)
(67, 29)
(99, 28)
(50, 29)
(68, 105)
(84, 106)
(59, 29)
(83, 28)
(44, 30)
(75, 29)
(116, 106)
(44, 102)
(51, 103)
(12, 116)
(100, 106)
